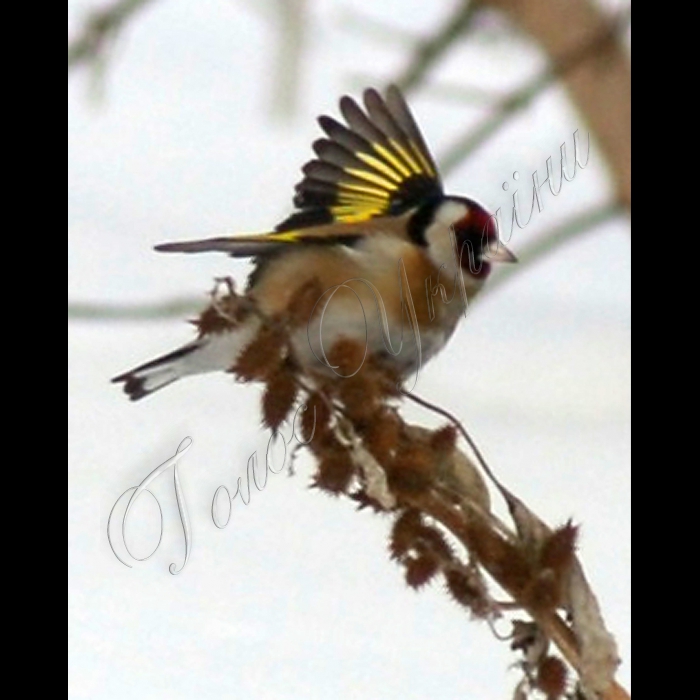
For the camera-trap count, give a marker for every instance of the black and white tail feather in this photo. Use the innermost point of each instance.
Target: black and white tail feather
(209, 353)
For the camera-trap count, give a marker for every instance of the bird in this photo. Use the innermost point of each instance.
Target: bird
(374, 232)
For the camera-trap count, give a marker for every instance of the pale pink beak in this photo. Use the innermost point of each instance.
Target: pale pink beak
(499, 254)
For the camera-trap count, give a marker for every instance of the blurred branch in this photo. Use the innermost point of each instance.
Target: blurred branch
(100, 27)
(175, 308)
(601, 86)
(429, 51)
(449, 92)
(469, 94)
(522, 98)
(291, 18)
(552, 240)
(363, 24)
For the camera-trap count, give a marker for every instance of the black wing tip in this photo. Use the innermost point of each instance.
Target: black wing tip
(168, 247)
(348, 106)
(371, 94)
(326, 122)
(236, 248)
(319, 145)
(394, 92)
(133, 385)
(201, 246)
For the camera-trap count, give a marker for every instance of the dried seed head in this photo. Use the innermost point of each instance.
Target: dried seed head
(444, 439)
(421, 569)
(222, 315)
(413, 468)
(433, 540)
(335, 471)
(453, 469)
(262, 356)
(468, 589)
(551, 569)
(381, 436)
(279, 397)
(559, 551)
(552, 677)
(364, 500)
(405, 532)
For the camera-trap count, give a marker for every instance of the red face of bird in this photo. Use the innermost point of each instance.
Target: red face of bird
(475, 237)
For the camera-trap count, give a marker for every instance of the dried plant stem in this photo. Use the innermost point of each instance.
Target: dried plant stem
(549, 621)
(555, 629)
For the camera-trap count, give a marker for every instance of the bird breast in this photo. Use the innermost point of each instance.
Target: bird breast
(384, 293)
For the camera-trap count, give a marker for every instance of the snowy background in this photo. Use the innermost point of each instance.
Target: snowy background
(296, 598)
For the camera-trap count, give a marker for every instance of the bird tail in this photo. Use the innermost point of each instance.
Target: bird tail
(209, 353)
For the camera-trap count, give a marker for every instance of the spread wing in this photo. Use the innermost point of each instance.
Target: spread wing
(376, 165)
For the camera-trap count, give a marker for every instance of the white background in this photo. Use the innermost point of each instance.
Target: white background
(297, 597)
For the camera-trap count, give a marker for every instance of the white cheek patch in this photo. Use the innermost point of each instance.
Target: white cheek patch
(449, 212)
(439, 235)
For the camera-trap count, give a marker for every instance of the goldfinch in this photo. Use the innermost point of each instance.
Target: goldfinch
(394, 258)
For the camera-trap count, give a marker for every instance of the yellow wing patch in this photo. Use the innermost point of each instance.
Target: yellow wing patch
(376, 165)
